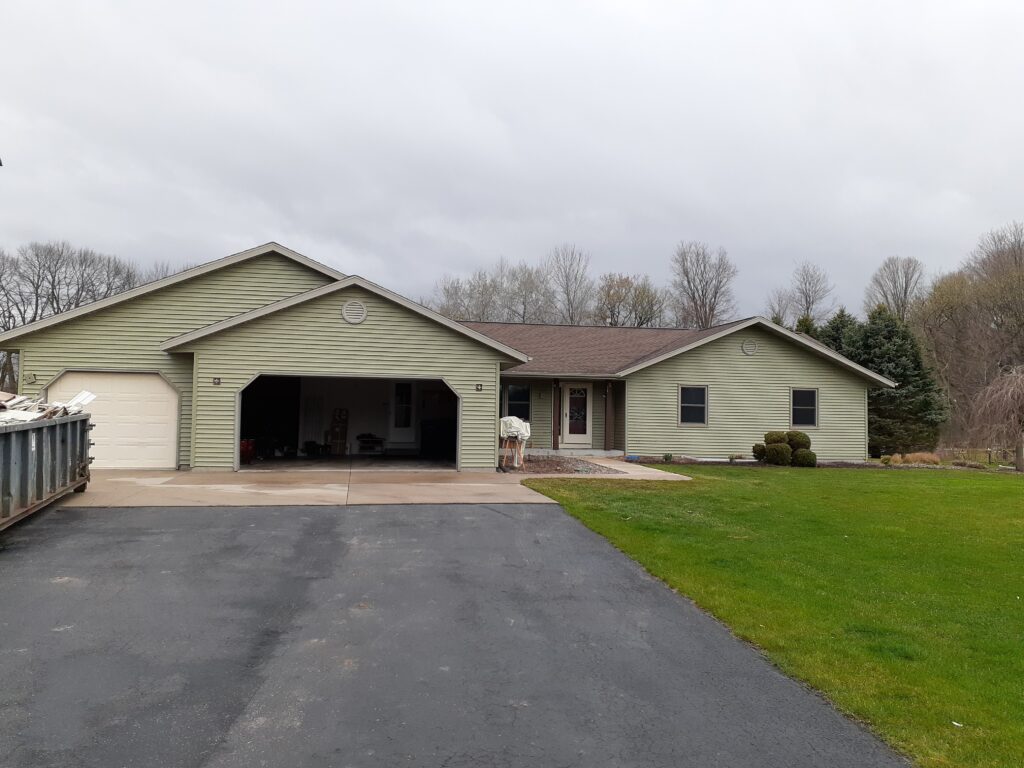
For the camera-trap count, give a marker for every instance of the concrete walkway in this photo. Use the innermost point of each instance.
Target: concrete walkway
(334, 487)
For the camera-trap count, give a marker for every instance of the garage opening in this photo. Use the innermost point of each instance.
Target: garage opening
(320, 421)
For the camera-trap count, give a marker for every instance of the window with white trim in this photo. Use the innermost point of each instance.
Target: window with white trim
(693, 405)
(804, 407)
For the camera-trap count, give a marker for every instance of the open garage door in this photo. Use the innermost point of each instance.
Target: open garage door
(369, 422)
(135, 417)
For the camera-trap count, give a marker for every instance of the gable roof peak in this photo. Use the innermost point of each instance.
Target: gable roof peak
(177, 277)
(325, 290)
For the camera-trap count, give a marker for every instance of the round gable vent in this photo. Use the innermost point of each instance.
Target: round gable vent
(353, 312)
(749, 347)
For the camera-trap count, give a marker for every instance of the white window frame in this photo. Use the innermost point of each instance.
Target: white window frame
(679, 406)
(817, 408)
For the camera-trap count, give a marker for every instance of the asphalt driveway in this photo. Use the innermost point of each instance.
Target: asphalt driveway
(459, 635)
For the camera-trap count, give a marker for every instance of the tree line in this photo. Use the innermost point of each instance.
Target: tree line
(42, 279)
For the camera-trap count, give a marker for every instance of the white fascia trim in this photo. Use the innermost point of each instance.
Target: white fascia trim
(156, 285)
(316, 293)
(511, 373)
(768, 325)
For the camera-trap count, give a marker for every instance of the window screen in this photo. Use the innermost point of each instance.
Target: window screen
(693, 405)
(805, 408)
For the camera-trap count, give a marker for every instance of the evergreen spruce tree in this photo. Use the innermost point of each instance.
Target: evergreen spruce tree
(805, 324)
(840, 332)
(906, 418)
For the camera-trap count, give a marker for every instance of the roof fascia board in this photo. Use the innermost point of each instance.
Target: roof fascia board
(178, 277)
(513, 374)
(316, 293)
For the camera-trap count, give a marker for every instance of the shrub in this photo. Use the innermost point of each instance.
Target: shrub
(778, 453)
(921, 457)
(667, 457)
(734, 457)
(774, 437)
(886, 459)
(804, 457)
(758, 451)
(798, 440)
(896, 459)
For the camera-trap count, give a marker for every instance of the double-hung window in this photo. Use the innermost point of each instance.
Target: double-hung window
(517, 401)
(804, 408)
(693, 405)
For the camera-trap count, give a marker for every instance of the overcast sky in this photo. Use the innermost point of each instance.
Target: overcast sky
(402, 141)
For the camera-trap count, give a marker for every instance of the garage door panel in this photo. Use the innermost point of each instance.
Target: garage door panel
(135, 417)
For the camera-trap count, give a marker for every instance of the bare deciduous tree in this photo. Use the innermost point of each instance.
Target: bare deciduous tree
(702, 283)
(45, 279)
(527, 294)
(472, 298)
(612, 300)
(569, 267)
(811, 292)
(779, 307)
(625, 300)
(896, 285)
(971, 323)
(999, 412)
(996, 267)
(648, 303)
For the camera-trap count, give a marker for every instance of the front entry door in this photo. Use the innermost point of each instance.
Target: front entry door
(577, 415)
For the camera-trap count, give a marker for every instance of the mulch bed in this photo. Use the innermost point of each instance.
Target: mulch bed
(562, 465)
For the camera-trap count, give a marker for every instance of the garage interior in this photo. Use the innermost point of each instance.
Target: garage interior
(320, 420)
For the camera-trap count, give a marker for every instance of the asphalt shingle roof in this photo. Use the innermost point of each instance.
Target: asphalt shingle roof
(586, 350)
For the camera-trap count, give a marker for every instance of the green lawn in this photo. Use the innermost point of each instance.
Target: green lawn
(897, 593)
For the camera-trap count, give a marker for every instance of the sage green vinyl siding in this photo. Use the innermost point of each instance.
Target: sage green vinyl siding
(312, 339)
(127, 336)
(748, 395)
(540, 414)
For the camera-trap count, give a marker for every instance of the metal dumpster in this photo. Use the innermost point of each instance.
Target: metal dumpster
(40, 461)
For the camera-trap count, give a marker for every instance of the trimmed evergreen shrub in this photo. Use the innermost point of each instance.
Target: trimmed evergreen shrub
(778, 453)
(804, 457)
(758, 451)
(798, 440)
(774, 437)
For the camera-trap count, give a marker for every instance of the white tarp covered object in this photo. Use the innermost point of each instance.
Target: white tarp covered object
(514, 428)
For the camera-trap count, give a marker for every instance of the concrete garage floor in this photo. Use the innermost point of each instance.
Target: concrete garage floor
(468, 635)
(346, 485)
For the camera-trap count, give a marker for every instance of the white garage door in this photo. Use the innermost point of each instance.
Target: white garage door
(136, 417)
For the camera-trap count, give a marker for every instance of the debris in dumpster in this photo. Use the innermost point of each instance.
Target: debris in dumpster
(15, 409)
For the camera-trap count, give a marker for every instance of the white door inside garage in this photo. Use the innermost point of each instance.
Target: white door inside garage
(135, 417)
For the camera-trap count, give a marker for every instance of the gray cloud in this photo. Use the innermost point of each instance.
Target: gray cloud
(402, 141)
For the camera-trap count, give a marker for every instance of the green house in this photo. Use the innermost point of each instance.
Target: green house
(269, 353)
